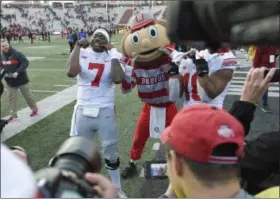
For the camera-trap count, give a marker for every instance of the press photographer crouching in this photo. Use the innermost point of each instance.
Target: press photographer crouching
(73, 173)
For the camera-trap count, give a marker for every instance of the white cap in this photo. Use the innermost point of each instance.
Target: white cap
(17, 180)
(103, 32)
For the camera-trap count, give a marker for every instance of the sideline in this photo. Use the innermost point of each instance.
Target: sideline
(46, 107)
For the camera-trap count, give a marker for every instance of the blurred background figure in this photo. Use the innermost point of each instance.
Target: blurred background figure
(265, 56)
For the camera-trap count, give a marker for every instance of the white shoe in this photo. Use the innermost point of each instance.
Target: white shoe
(121, 194)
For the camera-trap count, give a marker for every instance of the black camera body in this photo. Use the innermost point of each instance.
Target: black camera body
(3, 123)
(65, 176)
(235, 22)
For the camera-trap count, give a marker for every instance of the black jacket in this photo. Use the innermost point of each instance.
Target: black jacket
(260, 167)
(12, 62)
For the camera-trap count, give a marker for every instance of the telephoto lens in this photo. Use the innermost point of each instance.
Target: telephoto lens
(77, 155)
(65, 176)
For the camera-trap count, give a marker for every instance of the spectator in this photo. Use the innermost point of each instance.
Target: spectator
(203, 146)
(82, 34)
(15, 64)
(70, 38)
(265, 56)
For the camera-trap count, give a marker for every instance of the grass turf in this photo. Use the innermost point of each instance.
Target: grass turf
(43, 139)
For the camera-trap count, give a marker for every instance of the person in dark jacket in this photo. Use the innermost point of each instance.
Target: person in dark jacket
(265, 56)
(15, 64)
(70, 38)
(82, 34)
(260, 167)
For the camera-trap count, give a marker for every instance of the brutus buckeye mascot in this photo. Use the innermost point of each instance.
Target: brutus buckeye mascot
(148, 59)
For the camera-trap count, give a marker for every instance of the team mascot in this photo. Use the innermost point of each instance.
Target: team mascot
(148, 56)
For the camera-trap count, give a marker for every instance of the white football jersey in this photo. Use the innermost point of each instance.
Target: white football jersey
(194, 92)
(188, 70)
(95, 86)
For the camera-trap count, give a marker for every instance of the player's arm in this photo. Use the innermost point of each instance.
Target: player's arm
(215, 84)
(23, 62)
(73, 63)
(117, 72)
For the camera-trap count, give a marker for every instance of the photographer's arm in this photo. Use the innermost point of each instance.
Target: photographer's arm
(73, 63)
(215, 83)
(243, 111)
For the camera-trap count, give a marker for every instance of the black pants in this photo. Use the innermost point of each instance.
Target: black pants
(71, 45)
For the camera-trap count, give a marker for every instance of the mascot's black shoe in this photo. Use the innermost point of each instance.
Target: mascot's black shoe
(129, 171)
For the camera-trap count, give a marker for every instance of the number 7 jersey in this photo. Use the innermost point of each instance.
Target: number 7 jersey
(95, 86)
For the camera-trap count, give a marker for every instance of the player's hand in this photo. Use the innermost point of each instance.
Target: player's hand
(101, 185)
(108, 46)
(191, 53)
(15, 75)
(256, 84)
(202, 67)
(164, 50)
(83, 43)
(7, 75)
(174, 70)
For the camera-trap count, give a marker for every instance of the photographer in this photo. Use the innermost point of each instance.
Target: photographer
(260, 168)
(21, 182)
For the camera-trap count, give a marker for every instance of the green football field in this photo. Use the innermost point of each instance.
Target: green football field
(47, 77)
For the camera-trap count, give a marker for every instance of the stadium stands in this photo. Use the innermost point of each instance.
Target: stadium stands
(58, 15)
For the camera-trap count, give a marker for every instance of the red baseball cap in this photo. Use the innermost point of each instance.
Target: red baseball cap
(198, 129)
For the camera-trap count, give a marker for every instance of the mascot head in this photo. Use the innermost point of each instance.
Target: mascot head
(144, 38)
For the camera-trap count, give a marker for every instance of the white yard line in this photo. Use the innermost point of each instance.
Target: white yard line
(47, 59)
(156, 146)
(58, 85)
(46, 107)
(41, 91)
(46, 69)
(142, 175)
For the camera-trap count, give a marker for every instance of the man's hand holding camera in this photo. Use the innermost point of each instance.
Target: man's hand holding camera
(256, 84)
(101, 185)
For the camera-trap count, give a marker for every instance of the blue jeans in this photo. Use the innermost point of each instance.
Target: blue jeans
(265, 98)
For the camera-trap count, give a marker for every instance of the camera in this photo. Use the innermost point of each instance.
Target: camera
(246, 23)
(64, 178)
(155, 170)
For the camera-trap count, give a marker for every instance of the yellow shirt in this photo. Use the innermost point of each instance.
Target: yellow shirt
(273, 192)
(252, 52)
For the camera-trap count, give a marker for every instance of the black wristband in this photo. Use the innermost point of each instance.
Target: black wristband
(202, 74)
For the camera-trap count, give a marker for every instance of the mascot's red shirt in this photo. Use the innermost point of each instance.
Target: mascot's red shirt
(151, 79)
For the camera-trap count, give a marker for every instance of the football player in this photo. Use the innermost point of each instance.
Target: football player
(207, 76)
(94, 112)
